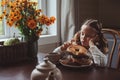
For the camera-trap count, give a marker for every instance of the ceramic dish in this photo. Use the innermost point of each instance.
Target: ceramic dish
(62, 62)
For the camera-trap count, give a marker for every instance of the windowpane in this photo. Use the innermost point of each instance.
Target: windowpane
(1, 28)
(35, 1)
(1, 24)
(39, 6)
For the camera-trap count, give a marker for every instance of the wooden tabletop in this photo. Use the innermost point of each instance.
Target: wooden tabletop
(91, 73)
(23, 71)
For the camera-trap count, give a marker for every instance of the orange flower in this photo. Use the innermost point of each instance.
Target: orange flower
(4, 2)
(47, 22)
(52, 19)
(38, 33)
(4, 12)
(41, 19)
(17, 24)
(1, 17)
(31, 24)
(37, 12)
(10, 23)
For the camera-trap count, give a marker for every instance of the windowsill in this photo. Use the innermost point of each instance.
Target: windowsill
(47, 39)
(44, 39)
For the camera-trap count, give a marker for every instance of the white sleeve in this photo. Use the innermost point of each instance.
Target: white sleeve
(98, 56)
(58, 49)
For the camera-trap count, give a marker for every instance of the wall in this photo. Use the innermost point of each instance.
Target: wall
(109, 13)
(85, 9)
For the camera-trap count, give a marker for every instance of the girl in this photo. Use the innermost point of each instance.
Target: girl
(91, 37)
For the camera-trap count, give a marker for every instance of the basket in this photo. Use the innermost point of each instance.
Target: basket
(13, 54)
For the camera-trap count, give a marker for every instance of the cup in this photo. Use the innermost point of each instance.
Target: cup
(53, 57)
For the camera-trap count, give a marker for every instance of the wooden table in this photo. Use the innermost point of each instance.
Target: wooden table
(93, 73)
(23, 72)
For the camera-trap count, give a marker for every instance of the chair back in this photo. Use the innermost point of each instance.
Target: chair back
(118, 67)
(113, 37)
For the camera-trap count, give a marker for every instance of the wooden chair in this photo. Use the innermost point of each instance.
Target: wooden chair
(118, 67)
(115, 36)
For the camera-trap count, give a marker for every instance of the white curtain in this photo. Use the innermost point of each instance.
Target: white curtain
(66, 19)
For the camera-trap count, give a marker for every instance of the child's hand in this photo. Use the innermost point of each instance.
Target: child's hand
(65, 46)
(93, 40)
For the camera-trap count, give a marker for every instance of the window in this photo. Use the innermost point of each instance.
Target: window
(49, 8)
(51, 37)
(2, 29)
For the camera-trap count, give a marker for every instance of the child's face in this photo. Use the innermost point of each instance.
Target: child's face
(87, 33)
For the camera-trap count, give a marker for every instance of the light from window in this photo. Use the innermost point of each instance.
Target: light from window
(1, 29)
(1, 24)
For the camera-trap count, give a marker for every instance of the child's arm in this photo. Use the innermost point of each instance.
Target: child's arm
(75, 40)
(64, 46)
(98, 56)
(58, 53)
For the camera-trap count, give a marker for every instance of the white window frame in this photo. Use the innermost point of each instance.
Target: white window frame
(51, 37)
(7, 30)
(51, 10)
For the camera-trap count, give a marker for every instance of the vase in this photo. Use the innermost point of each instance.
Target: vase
(32, 50)
(32, 46)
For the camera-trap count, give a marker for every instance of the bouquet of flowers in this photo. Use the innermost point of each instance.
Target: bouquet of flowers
(24, 15)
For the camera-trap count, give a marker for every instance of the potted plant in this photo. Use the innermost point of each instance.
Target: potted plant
(23, 15)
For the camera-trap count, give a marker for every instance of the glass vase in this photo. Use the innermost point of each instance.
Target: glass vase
(32, 47)
(32, 50)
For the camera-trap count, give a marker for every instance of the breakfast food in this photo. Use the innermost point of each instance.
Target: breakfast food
(79, 55)
(77, 50)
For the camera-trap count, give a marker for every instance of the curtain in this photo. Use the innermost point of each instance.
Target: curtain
(66, 19)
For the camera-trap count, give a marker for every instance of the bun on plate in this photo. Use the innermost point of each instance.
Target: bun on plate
(79, 55)
(77, 50)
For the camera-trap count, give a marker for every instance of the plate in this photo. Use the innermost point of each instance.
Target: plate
(62, 62)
